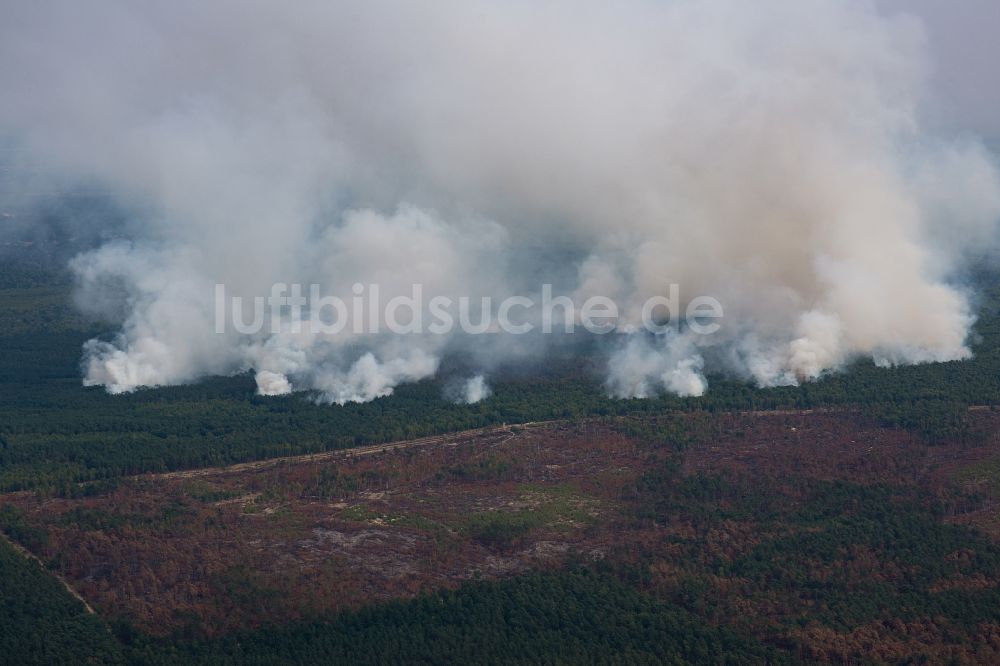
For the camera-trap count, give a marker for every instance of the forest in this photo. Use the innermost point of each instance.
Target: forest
(54, 434)
(41, 623)
(709, 538)
(859, 513)
(577, 616)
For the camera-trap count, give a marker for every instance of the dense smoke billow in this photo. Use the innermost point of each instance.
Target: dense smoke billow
(773, 155)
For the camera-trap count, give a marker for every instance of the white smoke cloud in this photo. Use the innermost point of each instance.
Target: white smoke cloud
(272, 383)
(467, 391)
(475, 390)
(369, 378)
(771, 155)
(643, 368)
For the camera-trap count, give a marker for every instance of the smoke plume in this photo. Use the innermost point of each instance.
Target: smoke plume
(773, 155)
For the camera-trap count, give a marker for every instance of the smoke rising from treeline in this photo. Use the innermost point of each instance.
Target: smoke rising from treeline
(772, 155)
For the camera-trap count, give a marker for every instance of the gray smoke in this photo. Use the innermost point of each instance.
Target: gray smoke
(774, 155)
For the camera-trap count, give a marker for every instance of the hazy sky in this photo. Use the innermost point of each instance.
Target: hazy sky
(964, 50)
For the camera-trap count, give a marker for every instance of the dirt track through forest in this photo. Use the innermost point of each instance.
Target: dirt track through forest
(453, 438)
(447, 438)
(31, 556)
(369, 449)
